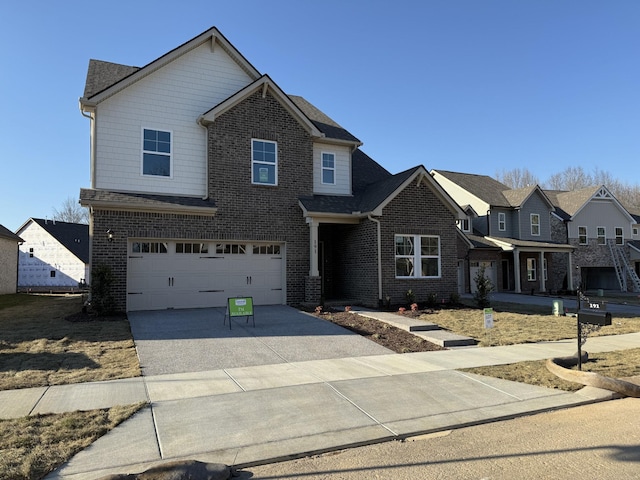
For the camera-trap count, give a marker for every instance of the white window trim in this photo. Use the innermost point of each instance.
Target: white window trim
(323, 168)
(502, 221)
(531, 217)
(531, 269)
(604, 236)
(417, 256)
(620, 237)
(545, 269)
(586, 236)
(275, 164)
(143, 151)
(468, 224)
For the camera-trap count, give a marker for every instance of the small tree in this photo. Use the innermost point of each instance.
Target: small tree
(483, 288)
(102, 301)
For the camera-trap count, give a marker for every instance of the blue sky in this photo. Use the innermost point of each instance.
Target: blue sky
(477, 86)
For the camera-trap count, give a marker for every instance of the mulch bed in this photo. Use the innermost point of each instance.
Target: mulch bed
(393, 338)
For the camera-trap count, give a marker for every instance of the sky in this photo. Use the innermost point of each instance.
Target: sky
(475, 86)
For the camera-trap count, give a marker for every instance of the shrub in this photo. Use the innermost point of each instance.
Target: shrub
(102, 300)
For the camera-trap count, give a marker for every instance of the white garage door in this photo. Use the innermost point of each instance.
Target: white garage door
(489, 272)
(188, 274)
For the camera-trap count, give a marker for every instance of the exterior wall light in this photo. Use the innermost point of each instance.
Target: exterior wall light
(110, 235)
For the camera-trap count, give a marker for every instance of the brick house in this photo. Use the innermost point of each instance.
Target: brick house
(208, 182)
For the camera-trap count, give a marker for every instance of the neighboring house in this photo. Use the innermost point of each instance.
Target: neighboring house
(634, 243)
(208, 182)
(8, 260)
(602, 232)
(54, 254)
(511, 231)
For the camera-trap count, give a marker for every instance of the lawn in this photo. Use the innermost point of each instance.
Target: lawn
(40, 347)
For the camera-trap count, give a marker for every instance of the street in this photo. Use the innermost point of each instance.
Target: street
(591, 442)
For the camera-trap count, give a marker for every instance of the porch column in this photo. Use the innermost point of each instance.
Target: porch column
(516, 270)
(313, 248)
(570, 272)
(543, 282)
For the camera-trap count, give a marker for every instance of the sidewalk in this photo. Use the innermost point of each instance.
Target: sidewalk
(251, 415)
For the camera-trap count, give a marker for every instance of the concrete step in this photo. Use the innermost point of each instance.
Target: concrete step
(447, 339)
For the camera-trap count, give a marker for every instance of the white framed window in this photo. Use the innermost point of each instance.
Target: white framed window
(156, 152)
(531, 269)
(635, 230)
(149, 247)
(619, 236)
(264, 162)
(417, 256)
(465, 225)
(502, 221)
(190, 247)
(266, 249)
(231, 248)
(328, 168)
(582, 235)
(601, 235)
(545, 269)
(535, 224)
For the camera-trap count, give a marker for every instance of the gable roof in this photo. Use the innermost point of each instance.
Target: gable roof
(326, 125)
(72, 236)
(484, 187)
(572, 202)
(118, 77)
(9, 235)
(373, 197)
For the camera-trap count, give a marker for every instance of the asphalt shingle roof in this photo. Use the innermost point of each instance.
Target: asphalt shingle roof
(484, 187)
(73, 236)
(143, 199)
(101, 75)
(8, 234)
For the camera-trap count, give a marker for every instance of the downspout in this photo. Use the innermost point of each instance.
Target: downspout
(379, 235)
(206, 160)
(92, 152)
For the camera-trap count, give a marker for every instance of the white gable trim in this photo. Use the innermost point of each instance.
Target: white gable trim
(603, 193)
(212, 35)
(263, 84)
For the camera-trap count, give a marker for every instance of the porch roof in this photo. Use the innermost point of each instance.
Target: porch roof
(529, 245)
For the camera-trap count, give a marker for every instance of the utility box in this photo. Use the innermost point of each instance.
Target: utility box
(594, 317)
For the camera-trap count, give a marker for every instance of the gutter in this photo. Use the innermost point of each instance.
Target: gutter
(377, 222)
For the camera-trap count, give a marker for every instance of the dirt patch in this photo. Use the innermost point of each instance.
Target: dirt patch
(393, 338)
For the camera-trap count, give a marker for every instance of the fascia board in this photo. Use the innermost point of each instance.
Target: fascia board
(212, 35)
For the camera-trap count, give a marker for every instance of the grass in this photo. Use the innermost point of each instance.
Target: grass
(519, 323)
(39, 347)
(31, 447)
(515, 324)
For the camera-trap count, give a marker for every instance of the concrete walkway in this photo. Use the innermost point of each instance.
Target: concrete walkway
(248, 415)
(251, 415)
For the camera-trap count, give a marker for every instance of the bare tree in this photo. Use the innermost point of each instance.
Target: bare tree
(517, 178)
(571, 178)
(71, 211)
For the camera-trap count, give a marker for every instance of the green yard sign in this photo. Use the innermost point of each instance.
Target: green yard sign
(241, 307)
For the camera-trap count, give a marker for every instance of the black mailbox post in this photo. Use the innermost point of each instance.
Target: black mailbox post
(599, 318)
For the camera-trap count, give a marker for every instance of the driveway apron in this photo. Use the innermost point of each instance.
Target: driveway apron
(195, 340)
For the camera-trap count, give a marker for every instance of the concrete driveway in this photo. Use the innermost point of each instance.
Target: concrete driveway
(180, 341)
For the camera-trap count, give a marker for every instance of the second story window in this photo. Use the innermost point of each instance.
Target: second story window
(535, 224)
(582, 235)
(264, 162)
(619, 236)
(156, 153)
(602, 235)
(502, 221)
(328, 168)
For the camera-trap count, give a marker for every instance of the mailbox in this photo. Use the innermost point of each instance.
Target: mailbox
(594, 317)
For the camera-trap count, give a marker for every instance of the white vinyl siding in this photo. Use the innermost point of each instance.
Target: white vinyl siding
(170, 99)
(342, 173)
(599, 213)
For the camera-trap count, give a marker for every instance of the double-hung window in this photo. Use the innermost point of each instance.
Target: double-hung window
(264, 162)
(619, 236)
(601, 235)
(156, 152)
(531, 269)
(582, 235)
(328, 168)
(502, 221)
(417, 256)
(535, 224)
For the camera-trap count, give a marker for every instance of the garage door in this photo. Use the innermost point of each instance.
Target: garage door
(188, 274)
(489, 272)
